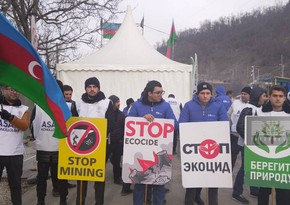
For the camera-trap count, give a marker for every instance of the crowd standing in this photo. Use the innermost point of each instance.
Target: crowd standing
(203, 107)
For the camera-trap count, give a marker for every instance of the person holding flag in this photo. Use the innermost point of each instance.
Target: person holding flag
(14, 121)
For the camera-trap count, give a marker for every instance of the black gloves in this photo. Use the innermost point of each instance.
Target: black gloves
(5, 115)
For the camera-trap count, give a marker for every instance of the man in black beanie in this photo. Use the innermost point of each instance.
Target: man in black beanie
(234, 113)
(202, 108)
(203, 86)
(92, 81)
(93, 103)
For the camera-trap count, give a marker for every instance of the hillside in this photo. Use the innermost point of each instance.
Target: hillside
(228, 48)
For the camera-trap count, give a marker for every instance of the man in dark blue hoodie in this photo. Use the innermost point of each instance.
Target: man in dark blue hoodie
(222, 98)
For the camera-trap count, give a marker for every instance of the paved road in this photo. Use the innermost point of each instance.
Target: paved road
(112, 194)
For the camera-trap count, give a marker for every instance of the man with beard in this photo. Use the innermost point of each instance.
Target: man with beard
(94, 104)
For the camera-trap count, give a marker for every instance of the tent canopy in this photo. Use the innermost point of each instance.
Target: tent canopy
(125, 65)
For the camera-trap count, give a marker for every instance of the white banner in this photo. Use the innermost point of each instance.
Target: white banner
(205, 154)
(147, 157)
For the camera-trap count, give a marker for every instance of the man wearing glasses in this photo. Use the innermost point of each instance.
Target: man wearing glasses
(14, 121)
(151, 106)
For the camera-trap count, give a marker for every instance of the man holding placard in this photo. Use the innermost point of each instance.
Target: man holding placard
(202, 108)
(275, 107)
(258, 98)
(93, 104)
(149, 134)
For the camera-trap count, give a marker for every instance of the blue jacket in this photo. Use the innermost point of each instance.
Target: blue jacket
(222, 98)
(194, 112)
(158, 110)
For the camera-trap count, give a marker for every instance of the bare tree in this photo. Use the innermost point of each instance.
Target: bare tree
(63, 25)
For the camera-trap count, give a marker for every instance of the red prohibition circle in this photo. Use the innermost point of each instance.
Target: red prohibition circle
(209, 149)
(88, 142)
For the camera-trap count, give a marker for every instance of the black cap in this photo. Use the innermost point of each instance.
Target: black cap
(246, 90)
(92, 81)
(203, 86)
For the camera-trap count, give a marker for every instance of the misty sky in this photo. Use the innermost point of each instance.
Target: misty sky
(158, 14)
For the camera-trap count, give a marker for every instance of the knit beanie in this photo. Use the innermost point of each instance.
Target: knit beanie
(92, 81)
(246, 90)
(114, 99)
(203, 86)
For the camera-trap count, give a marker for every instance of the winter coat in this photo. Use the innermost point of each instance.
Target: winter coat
(222, 98)
(117, 131)
(160, 109)
(193, 111)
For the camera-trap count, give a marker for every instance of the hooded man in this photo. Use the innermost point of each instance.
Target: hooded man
(222, 98)
(258, 98)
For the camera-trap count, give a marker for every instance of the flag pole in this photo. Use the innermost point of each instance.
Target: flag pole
(172, 56)
(142, 25)
(101, 32)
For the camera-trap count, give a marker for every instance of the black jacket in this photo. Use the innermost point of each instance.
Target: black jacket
(254, 100)
(117, 131)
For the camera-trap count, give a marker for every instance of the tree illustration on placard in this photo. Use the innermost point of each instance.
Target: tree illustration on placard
(272, 131)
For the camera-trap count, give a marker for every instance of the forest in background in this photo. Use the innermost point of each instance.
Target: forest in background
(227, 49)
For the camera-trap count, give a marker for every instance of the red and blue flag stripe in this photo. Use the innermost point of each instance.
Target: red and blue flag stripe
(22, 68)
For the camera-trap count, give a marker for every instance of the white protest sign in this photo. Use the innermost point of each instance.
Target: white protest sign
(147, 157)
(205, 154)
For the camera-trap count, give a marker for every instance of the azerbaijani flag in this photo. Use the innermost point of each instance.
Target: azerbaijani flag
(171, 40)
(22, 68)
(110, 29)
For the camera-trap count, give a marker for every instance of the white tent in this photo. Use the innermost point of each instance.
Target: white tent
(125, 65)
